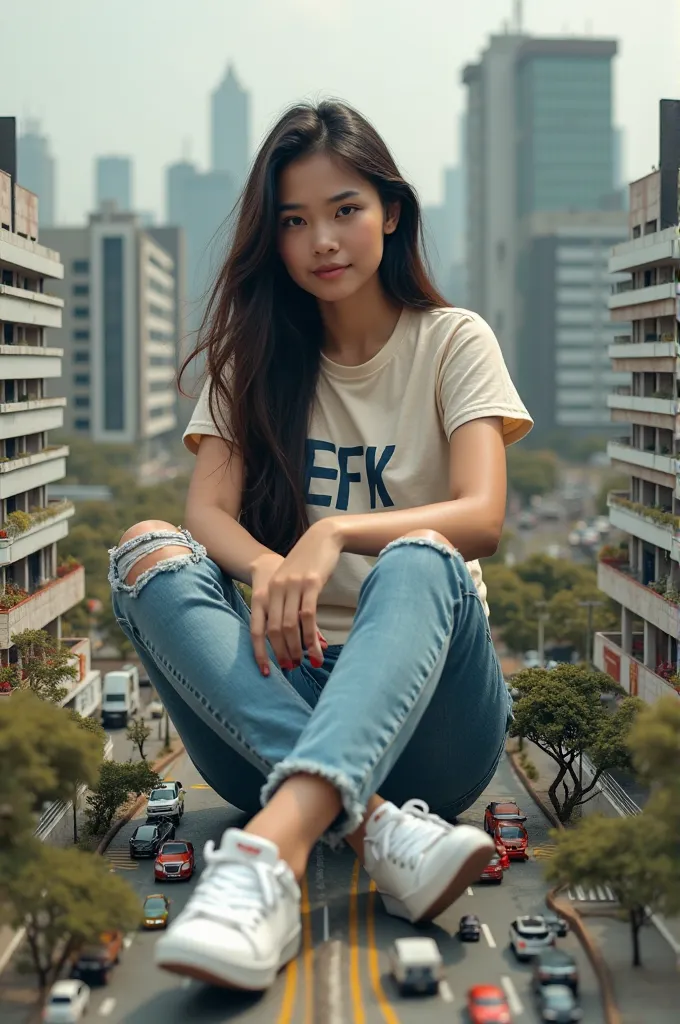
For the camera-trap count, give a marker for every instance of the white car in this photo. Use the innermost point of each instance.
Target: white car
(155, 709)
(416, 965)
(531, 659)
(529, 936)
(67, 1002)
(166, 801)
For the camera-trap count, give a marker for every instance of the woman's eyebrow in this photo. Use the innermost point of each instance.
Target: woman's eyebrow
(333, 199)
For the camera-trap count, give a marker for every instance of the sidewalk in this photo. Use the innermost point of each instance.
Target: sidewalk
(650, 992)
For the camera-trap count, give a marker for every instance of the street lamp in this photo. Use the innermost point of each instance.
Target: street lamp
(167, 728)
(542, 619)
(590, 605)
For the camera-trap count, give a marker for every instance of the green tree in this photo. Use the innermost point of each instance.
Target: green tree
(91, 726)
(627, 854)
(531, 472)
(561, 711)
(64, 899)
(568, 620)
(138, 733)
(43, 756)
(117, 783)
(45, 664)
(611, 482)
(513, 606)
(554, 575)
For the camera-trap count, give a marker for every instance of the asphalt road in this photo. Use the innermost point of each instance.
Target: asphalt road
(341, 976)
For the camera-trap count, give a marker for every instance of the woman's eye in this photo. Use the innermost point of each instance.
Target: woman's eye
(292, 222)
(345, 211)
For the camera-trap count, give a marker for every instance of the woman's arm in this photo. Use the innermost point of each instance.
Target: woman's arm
(213, 507)
(472, 520)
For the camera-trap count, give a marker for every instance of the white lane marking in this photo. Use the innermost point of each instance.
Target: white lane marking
(325, 923)
(511, 992)
(488, 936)
(128, 940)
(469, 891)
(445, 991)
(107, 1007)
(335, 1003)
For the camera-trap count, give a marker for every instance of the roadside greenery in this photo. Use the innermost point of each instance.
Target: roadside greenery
(556, 586)
(562, 712)
(635, 856)
(530, 472)
(117, 783)
(138, 733)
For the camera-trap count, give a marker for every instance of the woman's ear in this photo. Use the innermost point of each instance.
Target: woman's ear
(392, 212)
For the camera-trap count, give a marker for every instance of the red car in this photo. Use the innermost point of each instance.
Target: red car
(500, 812)
(503, 854)
(515, 839)
(175, 860)
(486, 1004)
(493, 872)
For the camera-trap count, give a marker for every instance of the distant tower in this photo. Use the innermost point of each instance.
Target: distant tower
(36, 169)
(114, 182)
(230, 128)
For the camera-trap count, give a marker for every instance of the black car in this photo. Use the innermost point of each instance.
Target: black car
(469, 928)
(557, 1003)
(555, 967)
(556, 924)
(146, 840)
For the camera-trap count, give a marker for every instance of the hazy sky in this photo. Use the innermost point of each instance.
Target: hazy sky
(133, 76)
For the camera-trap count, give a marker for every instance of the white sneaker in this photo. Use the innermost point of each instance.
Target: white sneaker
(419, 862)
(242, 924)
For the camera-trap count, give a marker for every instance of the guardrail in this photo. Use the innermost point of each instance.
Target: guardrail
(614, 791)
(54, 812)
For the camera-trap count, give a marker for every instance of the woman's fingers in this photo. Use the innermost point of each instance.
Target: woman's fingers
(291, 625)
(310, 633)
(258, 634)
(275, 628)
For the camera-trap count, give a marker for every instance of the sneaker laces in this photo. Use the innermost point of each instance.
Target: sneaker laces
(238, 894)
(406, 838)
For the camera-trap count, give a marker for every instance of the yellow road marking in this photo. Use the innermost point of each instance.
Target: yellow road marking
(288, 1005)
(307, 953)
(354, 976)
(544, 852)
(200, 785)
(373, 964)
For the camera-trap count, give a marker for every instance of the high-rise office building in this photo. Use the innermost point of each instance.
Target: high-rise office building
(119, 332)
(230, 128)
(539, 140)
(35, 590)
(643, 577)
(36, 169)
(113, 176)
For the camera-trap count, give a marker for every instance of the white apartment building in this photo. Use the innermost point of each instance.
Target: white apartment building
(35, 590)
(119, 331)
(644, 578)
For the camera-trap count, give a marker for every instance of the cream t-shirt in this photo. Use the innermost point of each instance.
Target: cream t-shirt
(379, 432)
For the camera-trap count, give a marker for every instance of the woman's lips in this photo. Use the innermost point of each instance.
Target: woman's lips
(329, 273)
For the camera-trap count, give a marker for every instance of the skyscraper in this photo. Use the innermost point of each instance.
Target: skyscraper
(114, 182)
(539, 153)
(230, 128)
(36, 168)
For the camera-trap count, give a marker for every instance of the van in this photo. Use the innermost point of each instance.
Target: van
(120, 696)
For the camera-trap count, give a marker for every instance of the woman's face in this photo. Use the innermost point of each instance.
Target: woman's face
(331, 227)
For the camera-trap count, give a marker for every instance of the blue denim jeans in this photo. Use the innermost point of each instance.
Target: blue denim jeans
(413, 704)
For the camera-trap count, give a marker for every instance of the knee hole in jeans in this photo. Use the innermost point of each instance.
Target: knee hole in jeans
(168, 550)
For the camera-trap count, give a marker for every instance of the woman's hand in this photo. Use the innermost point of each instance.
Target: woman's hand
(285, 595)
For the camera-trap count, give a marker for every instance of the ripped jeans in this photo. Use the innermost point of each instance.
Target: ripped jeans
(413, 704)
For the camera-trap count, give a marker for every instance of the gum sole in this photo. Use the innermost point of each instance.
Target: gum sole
(469, 872)
(187, 971)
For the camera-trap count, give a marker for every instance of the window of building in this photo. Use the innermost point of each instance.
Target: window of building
(637, 231)
(7, 277)
(160, 385)
(82, 423)
(81, 289)
(81, 357)
(81, 266)
(82, 379)
(650, 227)
(83, 335)
(113, 339)
(81, 312)
(161, 410)
(82, 401)
(8, 334)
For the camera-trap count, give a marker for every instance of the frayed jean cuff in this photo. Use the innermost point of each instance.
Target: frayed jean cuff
(353, 811)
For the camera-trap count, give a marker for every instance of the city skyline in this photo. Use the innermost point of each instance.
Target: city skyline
(191, 62)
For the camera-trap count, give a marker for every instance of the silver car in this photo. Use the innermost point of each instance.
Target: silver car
(530, 936)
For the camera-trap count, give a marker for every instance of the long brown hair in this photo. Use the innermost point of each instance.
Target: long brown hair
(263, 334)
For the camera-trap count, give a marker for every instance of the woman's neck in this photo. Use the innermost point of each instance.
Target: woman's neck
(357, 328)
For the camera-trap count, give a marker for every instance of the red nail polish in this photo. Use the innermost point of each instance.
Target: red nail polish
(287, 665)
(315, 663)
(265, 670)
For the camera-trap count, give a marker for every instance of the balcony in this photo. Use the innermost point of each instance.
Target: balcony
(31, 417)
(634, 677)
(84, 692)
(22, 306)
(29, 470)
(23, 254)
(647, 251)
(49, 526)
(656, 300)
(35, 611)
(649, 524)
(621, 584)
(26, 362)
(619, 451)
(657, 410)
(641, 353)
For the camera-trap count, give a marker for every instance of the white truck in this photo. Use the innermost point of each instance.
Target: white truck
(120, 695)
